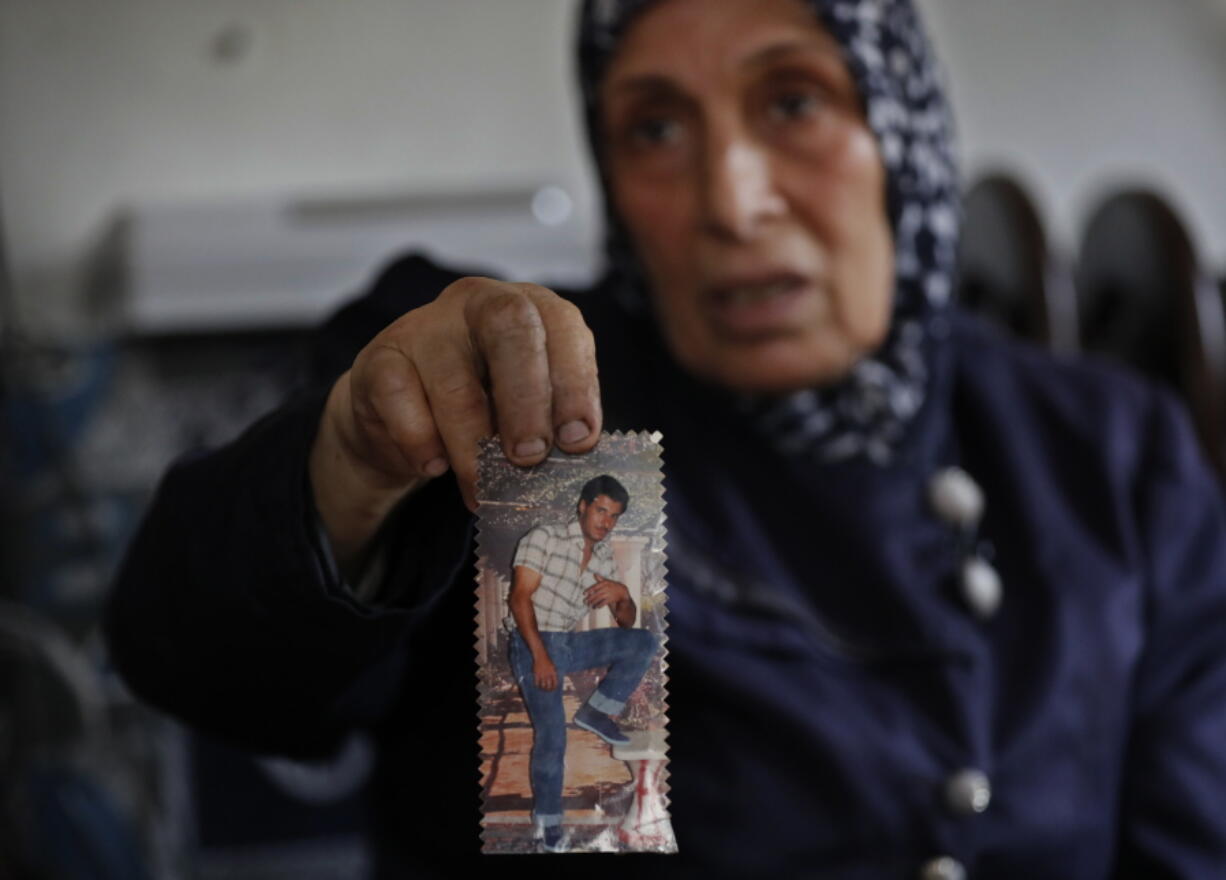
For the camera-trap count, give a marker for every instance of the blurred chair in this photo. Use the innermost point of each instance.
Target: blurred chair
(1144, 299)
(59, 817)
(1007, 272)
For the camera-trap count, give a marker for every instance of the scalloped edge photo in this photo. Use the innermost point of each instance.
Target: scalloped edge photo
(614, 797)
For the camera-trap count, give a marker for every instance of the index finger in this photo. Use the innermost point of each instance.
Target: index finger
(573, 378)
(460, 408)
(510, 336)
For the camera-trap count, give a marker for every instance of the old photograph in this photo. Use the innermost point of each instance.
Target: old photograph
(571, 650)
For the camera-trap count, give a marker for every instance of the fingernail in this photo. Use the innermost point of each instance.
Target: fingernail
(436, 467)
(573, 432)
(529, 448)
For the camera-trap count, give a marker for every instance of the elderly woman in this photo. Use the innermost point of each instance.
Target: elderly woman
(940, 606)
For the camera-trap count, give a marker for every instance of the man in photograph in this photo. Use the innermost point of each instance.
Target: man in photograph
(560, 573)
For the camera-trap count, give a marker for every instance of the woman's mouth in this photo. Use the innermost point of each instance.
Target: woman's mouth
(754, 308)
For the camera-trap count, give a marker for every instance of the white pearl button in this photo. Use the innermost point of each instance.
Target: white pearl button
(968, 791)
(981, 588)
(955, 497)
(942, 868)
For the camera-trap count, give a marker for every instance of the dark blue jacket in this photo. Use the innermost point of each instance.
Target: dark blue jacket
(826, 677)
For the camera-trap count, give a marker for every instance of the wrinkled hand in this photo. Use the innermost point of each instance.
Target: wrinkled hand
(605, 592)
(544, 673)
(486, 356)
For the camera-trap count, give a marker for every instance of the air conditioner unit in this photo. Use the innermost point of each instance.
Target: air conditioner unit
(282, 263)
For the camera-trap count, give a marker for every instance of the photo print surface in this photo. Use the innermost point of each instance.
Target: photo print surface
(570, 642)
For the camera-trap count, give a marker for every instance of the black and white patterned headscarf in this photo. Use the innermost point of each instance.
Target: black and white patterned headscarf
(890, 60)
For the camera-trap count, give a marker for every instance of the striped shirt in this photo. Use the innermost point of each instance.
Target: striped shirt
(556, 553)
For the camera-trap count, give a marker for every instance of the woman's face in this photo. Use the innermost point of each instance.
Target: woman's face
(752, 189)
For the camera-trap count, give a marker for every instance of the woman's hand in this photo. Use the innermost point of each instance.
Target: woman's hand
(486, 356)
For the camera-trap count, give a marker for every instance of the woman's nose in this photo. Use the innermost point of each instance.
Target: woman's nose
(740, 194)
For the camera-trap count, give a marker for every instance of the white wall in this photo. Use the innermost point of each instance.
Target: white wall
(107, 104)
(1081, 95)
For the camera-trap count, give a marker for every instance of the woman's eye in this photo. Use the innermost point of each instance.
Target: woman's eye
(655, 131)
(794, 105)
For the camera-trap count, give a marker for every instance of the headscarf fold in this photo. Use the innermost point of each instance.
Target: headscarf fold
(884, 46)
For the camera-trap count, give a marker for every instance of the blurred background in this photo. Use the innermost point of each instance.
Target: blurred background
(187, 187)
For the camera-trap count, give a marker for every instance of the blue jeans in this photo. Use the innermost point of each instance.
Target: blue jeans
(627, 653)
